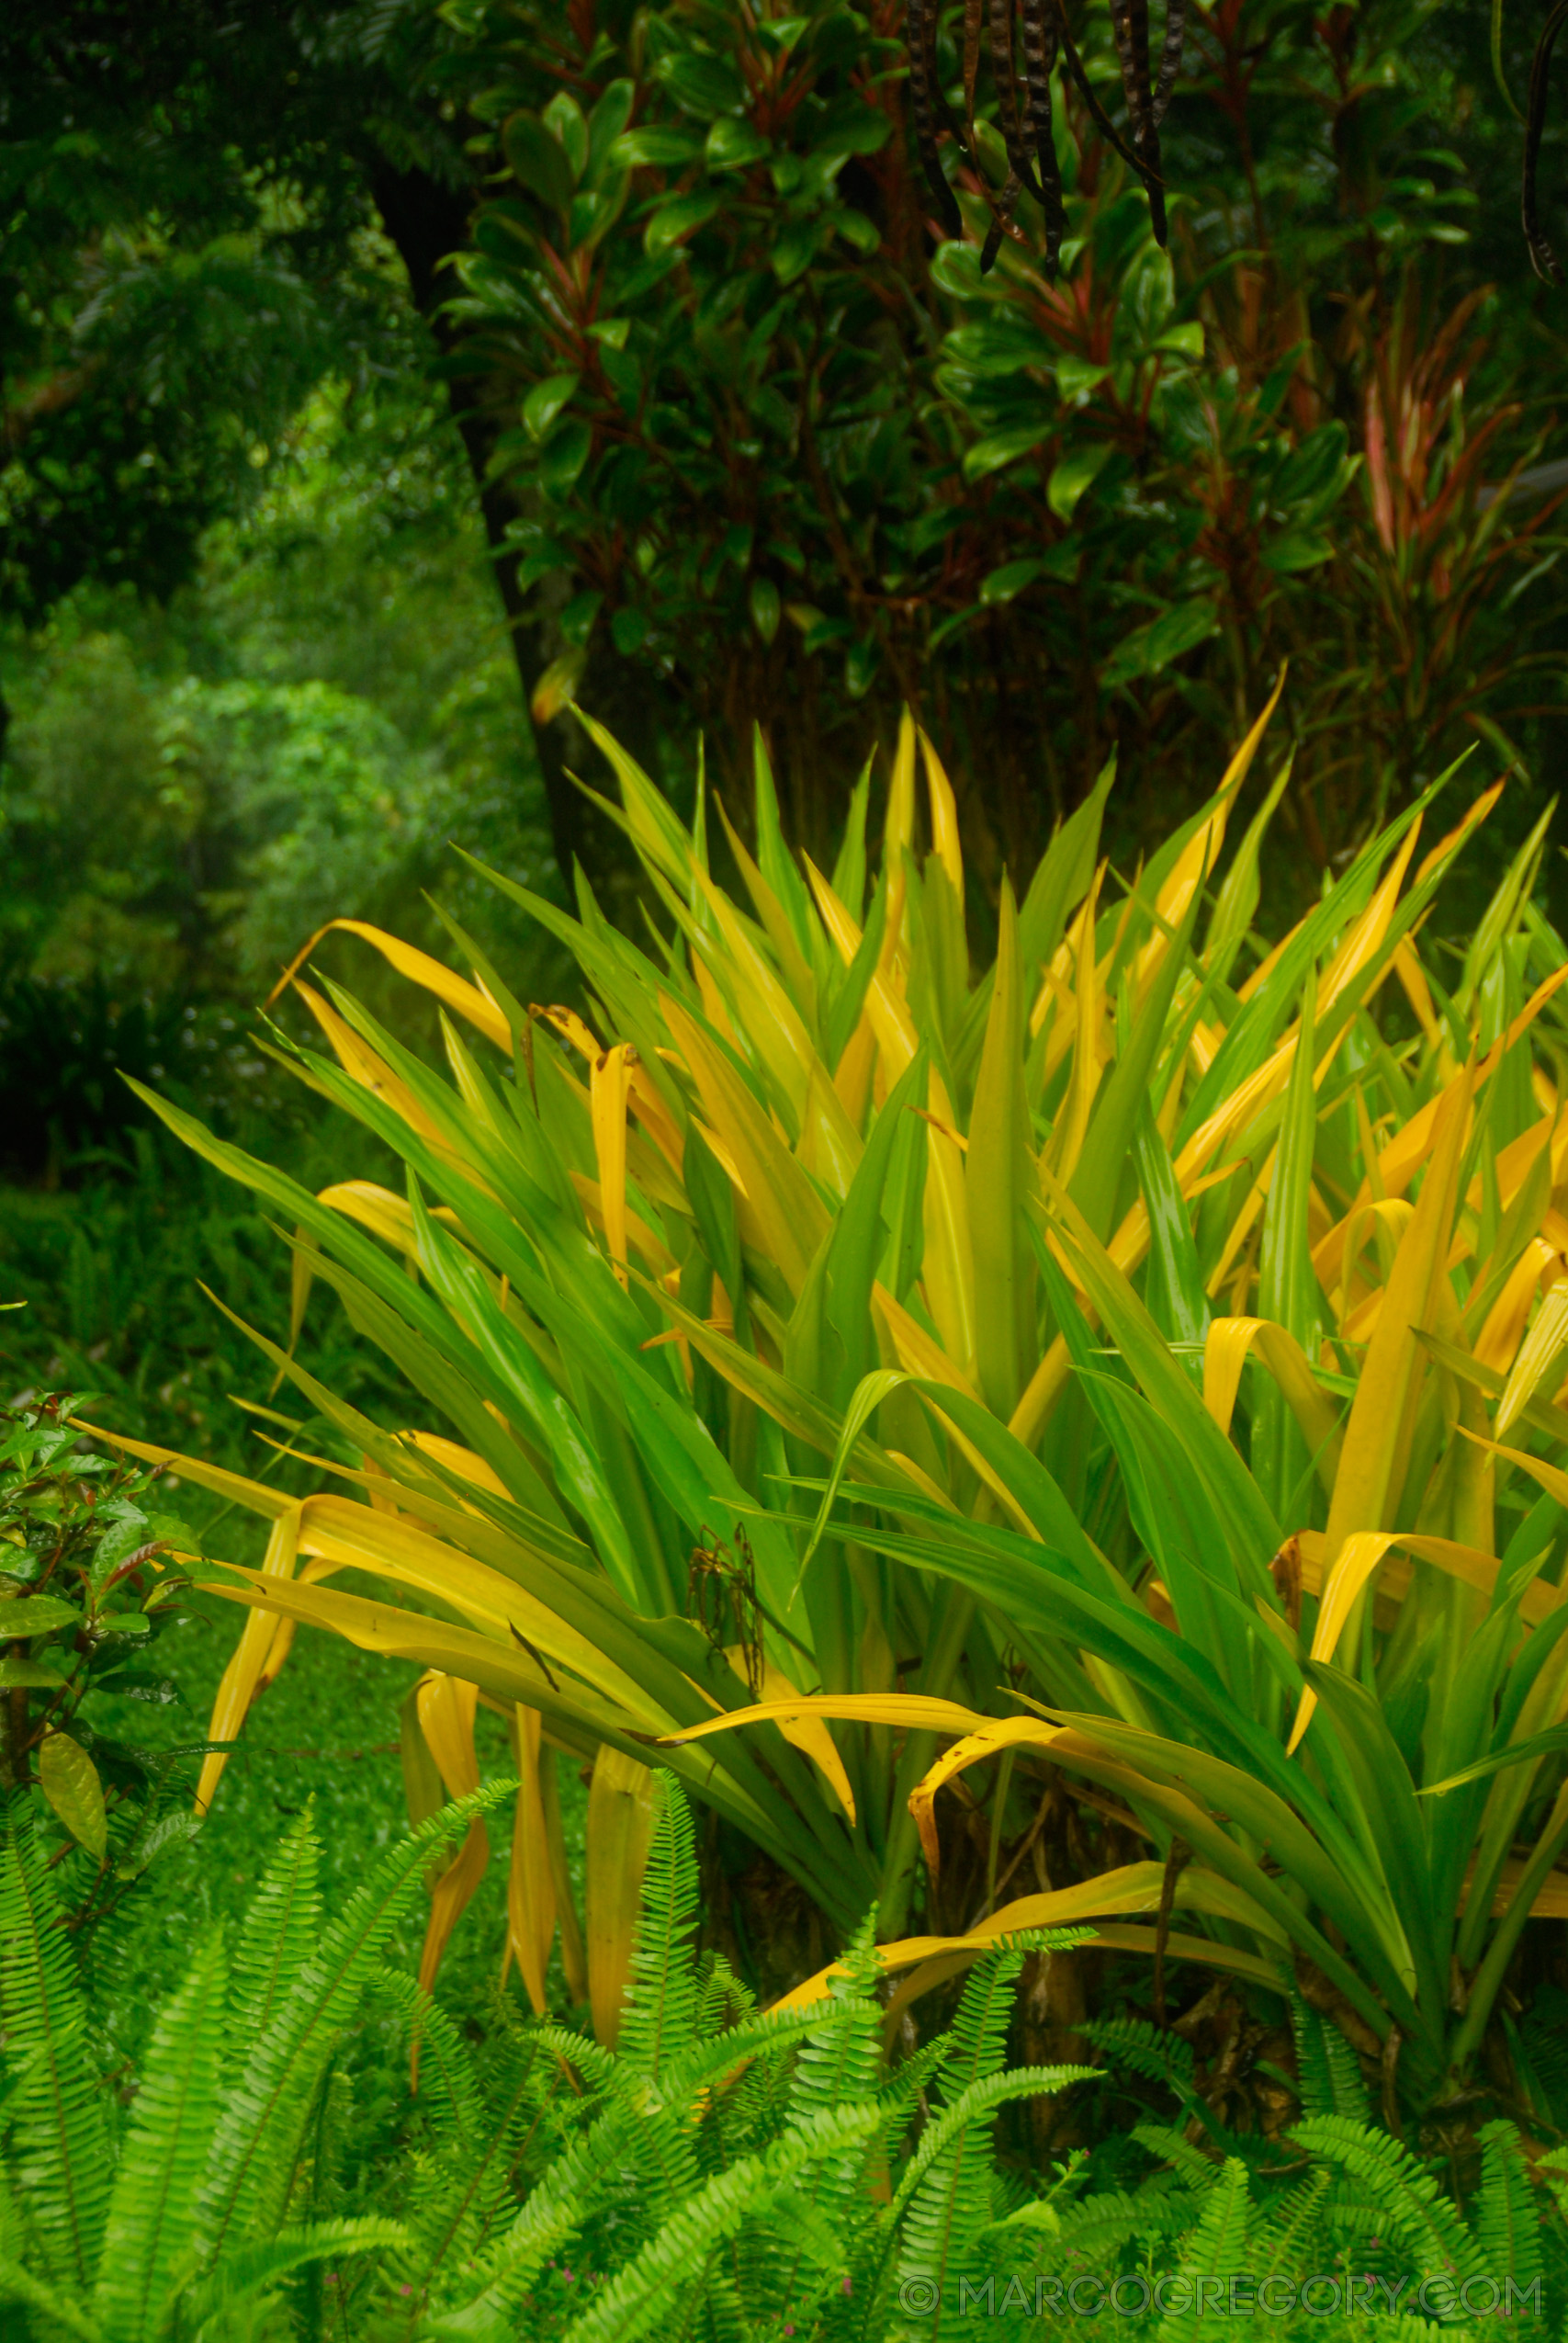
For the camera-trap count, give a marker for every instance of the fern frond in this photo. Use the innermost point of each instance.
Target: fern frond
(637, 2301)
(1217, 2246)
(18, 2284)
(282, 1928)
(147, 2233)
(256, 2142)
(252, 2269)
(840, 2060)
(722, 2000)
(1151, 2052)
(1504, 2220)
(468, 2190)
(1328, 2068)
(1287, 2223)
(62, 2159)
(449, 2082)
(571, 2191)
(981, 2098)
(1107, 2220)
(1175, 2149)
(662, 2002)
(1416, 2211)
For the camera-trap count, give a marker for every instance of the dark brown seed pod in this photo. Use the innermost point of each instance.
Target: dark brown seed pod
(1002, 209)
(1039, 56)
(972, 10)
(1005, 73)
(920, 39)
(1170, 57)
(1543, 258)
(1153, 184)
(1129, 23)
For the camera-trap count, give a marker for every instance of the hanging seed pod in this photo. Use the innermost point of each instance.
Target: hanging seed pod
(1002, 209)
(1543, 258)
(1170, 56)
(1129, 23)
(972, 10)
(1108, 129)
(1039, 56)
(920, 36)
(1005, 74)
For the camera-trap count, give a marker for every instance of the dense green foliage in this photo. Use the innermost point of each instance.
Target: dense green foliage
(783, 459)
(723, 2171)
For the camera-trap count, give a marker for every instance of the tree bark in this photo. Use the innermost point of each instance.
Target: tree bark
(427, 222)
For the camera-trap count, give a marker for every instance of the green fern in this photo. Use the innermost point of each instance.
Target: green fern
(1506, 2220)
(1412, 2205)
(105, 2231)
(148, 2230)
(60, 2165)
(256, 2144)
(280, 1933)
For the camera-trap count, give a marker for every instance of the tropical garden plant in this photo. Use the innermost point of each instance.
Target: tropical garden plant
(177, 2220)
(1171, 1338)
(835, 363)
(92, 1571)
(781, 2169)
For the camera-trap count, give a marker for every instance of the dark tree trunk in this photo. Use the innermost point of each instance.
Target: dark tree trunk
(427, 222)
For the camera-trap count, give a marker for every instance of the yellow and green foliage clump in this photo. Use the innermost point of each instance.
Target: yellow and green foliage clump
(1158, 1330)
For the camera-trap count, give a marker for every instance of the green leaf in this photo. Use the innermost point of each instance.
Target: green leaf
(1001, 448)
(1074, 475)
(765, 607)
(563, 117)
(793, 250)
(538, 159)
(545, 400)
(1297, 549)
(30, 1672)
(1150, 648)
(672, 221)
(36, 1615)
(562, 460)
(663, 149)
(1010, 579)
(731, 145)
(69, 1780)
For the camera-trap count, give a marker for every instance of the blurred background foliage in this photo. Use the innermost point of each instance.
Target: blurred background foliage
(372, 371)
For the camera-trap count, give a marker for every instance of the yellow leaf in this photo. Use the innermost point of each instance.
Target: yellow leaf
(1540, 1354)
(810, 1735)
(1383, 1414)
(445, 1706)
(1501, 1336)
(69, 1780)
(1224, 1350)
(253, 1495)
(240, 1680)
(1134, 1887)
(1364, 1553)
(944, 819)
(791, 1217)
(471, 1001)
(898, 831)
(620, 1828)
(609, 1081)
(530, 1885)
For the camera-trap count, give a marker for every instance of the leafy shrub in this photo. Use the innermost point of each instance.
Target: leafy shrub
(828, 1202)
(762, 2170)
(91, 1570)
(175, 2219)
(775, 458)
